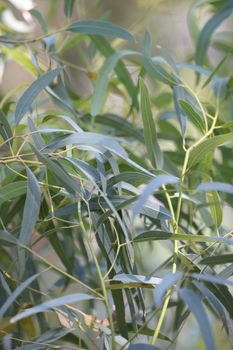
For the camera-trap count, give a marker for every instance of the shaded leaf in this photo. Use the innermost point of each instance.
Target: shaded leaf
(47, 305)
(194, 304)
(167, 282)
(104, 28)
(16, 293)
(150, 136)
(217, 259)
(26, 100)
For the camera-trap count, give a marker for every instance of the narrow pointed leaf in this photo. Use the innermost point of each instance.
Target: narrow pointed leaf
(104, 28)
(16, 293)
(47, 305)
(199, 152)
(28, 97)
(150, 136)
(195, 306)
(31, 208)
(168, 281)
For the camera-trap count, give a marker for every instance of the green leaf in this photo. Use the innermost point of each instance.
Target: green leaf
(156, 70)
(5, 129)
(12, 190)
(71, 185)
(104, 28)
(31, 208)
(16, 293)
(102, 81)
(217, 259)
(136, 280)
(208, 29)
(162, 235)
(150, 136)
(106, 50)
(212, 75)
(168, 281)
(37, 14)
(215, 186)
(26, 100)
(47, 305)
(154, 185)
(195, 306)
(200, 151)
(141, 346)
(20, 56)
(7, 239)
(48, 337)
(68, 7)
(192, 115)
(212, 279)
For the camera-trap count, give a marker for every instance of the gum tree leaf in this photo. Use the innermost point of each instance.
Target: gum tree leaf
(195, 306)
(37, 14)
(26, 100)
(217, 259)
(47, 305)
(212, 279)
(16, 293)
(150, 136)
(215, 186)
(199, 152)
(31, 208)
(102, 81)
(7, 239)
(68, 7)
(5, 129)
(154, 185)
(132, 280)
(12, 190)
(106, 50)
(141, 346)
(208, 29)
(69, 183)
(192, 115)
(162, 235)
(168, 281)
(104, 28)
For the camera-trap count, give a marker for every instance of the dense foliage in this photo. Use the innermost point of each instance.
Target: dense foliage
(112, 203)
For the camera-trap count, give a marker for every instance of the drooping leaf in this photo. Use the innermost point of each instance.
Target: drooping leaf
(192, 115)
(217, 259)
(26, 100)
(135, 280)
(212, 279)
(104, 28)
(150, 135)
(106, 50)
(154, 185)
(194, 304)
(37, 14)
(141, 346)
(12, 190)
(168, 281)
(5, 129)
(215, 186)
(7, 239)
(209, 28)
(162, 235)
(16, 293)
(31, 208)
(47, 305)
(199, 152)
(68, 7)
(102, 81)
(48, 337)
